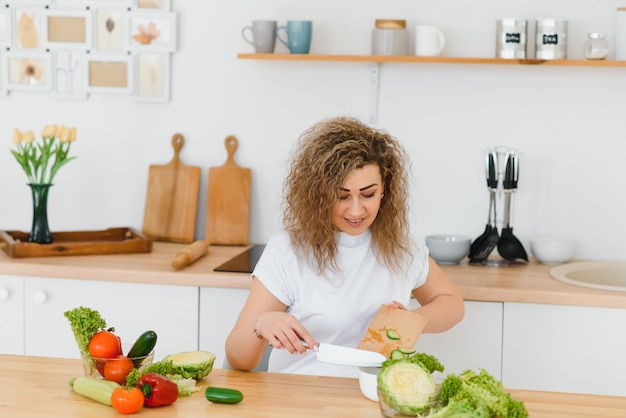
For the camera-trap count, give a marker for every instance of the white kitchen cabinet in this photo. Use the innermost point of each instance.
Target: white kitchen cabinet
(219, 310)
(474, 343)
(132, 308)
(564, 348)
(11, 315)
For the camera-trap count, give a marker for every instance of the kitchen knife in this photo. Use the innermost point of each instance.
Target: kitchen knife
(336, 354)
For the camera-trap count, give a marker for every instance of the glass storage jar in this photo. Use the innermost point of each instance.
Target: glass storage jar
(596, 46)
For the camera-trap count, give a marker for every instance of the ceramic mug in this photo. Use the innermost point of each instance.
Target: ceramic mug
(261, 35)
(429, 41)
(390, 41)
(299, 33)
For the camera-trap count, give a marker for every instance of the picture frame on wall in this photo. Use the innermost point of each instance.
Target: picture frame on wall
(163, 5)
(6, 27)
(151, 31)
(68, 75)
(108, 29)
(101, 4)
(27, 71)
(111, 74)
(27, 28)
(152, 77)
(67, 29)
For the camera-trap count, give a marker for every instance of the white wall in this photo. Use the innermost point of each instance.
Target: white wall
(567, 121)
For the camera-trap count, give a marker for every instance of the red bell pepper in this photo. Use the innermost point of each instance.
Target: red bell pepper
(158, 390)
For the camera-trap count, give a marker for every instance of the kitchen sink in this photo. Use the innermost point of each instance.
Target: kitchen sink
(605, 275)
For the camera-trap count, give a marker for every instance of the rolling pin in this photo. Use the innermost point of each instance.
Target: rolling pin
(190, 253)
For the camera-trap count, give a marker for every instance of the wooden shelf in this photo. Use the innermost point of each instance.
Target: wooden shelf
(432, 60)
(374, 62)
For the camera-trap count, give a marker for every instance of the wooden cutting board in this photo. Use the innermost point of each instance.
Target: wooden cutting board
(228, 205)
(172, 199)
(407, 325)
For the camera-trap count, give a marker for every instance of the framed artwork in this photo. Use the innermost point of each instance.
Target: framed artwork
(27, 71)
(109, 74)
(28, 28)
(67, 74)
(153, 4)
(108, 30)
(67, 29)
(152, 77)
(6, 27)
(151, 31)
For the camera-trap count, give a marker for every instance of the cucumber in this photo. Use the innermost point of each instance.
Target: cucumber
(223, 395)
(393, 335)
(142, 347)
(98, 390)
(406, 350)
(397, 355)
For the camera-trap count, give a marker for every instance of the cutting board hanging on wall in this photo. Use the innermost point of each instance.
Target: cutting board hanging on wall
(228, 201)
(172, 199)
(407, 325)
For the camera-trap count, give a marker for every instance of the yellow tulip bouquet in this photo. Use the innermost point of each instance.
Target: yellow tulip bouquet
(41, 161)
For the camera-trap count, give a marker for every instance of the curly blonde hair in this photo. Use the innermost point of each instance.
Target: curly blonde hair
(324, 156)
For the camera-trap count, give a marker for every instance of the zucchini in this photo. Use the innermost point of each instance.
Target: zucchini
(142, 347)
(98, 390)
(393, 335)
(223, 395)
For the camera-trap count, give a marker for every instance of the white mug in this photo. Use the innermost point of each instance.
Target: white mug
(429, 41)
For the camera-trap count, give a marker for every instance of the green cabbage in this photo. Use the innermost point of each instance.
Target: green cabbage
(191, 364)
(406, 386)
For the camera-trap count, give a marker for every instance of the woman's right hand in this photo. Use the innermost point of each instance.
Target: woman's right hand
(283, 331)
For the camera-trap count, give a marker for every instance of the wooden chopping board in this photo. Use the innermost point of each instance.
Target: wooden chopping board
(172, 199)
(407, 325)
(228, 205)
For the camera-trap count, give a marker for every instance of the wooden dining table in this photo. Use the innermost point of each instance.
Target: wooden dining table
(39, 386)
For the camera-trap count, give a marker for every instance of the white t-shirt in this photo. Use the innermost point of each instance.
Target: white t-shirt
(334, 310)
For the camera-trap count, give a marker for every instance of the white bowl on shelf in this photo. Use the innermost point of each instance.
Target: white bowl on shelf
(448, 249)
(552, 250)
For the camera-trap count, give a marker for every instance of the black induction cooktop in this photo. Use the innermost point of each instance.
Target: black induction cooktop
(244, 262)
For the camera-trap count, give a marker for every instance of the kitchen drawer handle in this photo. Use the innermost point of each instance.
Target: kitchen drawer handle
(4, 293)
(40, 296)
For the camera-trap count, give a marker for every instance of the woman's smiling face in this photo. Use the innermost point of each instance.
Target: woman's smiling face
(359, 200)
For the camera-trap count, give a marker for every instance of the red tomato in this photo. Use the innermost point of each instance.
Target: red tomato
(117, 369)
(105, 344)
(127, 400)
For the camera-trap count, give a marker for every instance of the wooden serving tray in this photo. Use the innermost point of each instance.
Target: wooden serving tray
(109, 241)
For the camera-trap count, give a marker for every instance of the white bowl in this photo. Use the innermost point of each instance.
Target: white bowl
(448, 249)
(368, 382)
(553, 250)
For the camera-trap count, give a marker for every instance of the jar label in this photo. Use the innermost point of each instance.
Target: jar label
(550, 39)
(513, 38)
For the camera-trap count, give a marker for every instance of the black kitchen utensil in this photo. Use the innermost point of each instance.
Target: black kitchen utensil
(509, 247)
(485, 243)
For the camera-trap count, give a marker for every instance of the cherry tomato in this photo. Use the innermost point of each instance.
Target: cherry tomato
(105, 344)
(117, 369)
(127, 400)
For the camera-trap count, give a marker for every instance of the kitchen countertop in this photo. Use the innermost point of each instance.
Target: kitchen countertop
(519, 282)
(38, 386)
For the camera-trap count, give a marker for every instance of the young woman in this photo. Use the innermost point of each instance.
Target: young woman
(345, 250)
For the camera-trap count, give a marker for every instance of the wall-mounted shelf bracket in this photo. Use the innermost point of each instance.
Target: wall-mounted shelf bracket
(374, 82)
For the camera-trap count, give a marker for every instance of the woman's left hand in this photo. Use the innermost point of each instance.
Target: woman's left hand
(396, 305)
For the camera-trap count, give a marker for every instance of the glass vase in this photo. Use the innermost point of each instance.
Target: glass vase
(40, 232)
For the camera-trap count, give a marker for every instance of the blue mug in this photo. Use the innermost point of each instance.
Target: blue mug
(299, 33)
